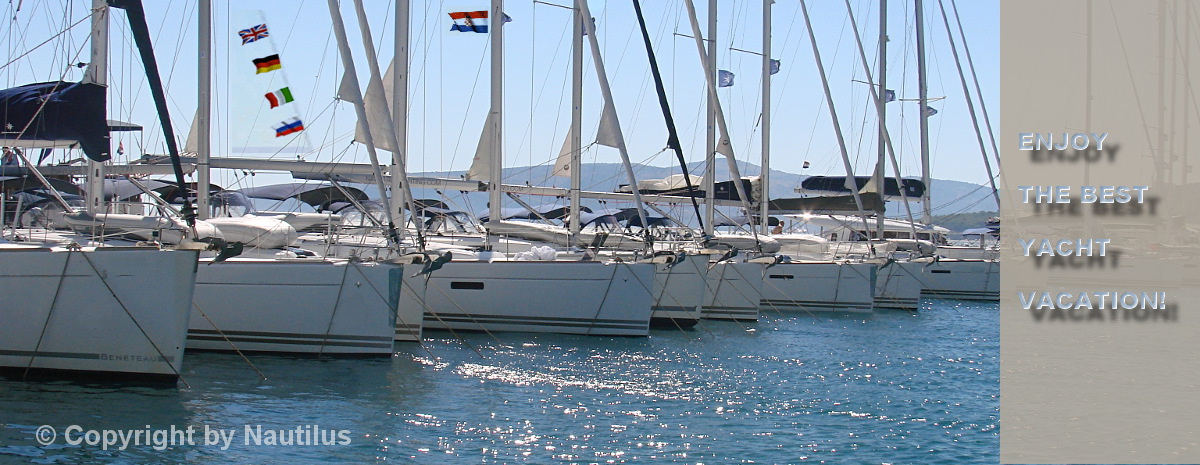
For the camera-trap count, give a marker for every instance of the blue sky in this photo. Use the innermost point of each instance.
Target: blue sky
(449, 90)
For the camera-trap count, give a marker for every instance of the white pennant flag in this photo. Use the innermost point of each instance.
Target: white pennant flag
(724, 147)
(609, 127)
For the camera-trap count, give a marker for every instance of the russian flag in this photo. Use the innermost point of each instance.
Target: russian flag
(470, 21)
(292, 125)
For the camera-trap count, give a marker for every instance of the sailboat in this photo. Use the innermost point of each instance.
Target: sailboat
(271, 300)
(83, 308)
(486, 291)
(937, 276)
(788, 285)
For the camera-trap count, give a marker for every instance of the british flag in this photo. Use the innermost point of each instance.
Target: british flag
(253, 34)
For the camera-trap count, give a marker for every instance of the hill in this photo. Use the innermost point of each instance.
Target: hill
(959, 222)
(949, 197)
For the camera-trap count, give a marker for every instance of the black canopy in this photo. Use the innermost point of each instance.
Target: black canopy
(57, 111)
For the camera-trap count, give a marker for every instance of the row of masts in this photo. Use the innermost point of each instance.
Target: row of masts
(398, 124)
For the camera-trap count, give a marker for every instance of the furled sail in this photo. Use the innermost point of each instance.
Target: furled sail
(562, 166)
(481, 166)
(376, 114)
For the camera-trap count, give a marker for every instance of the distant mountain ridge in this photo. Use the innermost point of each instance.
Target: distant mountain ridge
(948, 196)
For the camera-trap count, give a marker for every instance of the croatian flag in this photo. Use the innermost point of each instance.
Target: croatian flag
(291, 126)
(470, 21)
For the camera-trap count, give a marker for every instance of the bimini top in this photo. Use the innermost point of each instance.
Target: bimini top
(834, 222)
(318, 195)
(551, 211)
(834, 185)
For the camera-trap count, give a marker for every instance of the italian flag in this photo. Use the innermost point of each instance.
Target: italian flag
(279, 97)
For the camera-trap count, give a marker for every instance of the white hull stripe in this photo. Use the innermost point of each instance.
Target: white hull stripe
(897, 302)
(730, 313)
(291, 339)
(814, 303)
(948, 294)
(673, 310)
(74, 355)
(467, 321)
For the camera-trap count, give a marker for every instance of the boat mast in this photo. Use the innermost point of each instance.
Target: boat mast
(611, 111)
(399, 112)
(879, 98)
(398, 170)
(672, 133)
(204, 108)
(339, 29)
(881, 163)
(710, 141)
(723, 145)
(496, 31)
(923, 98)
(575, 133)
(765, 178)
(97, 73)
(851, 182)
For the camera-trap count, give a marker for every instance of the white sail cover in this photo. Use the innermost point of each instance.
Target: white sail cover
(669, 183)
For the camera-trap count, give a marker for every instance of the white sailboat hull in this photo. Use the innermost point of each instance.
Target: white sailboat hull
(733, 291)
(610, 299)
(898, 286)
(819, 287)
(329, 307)
(119, 311)
(411, 309)
(679, 293)
(961, 279)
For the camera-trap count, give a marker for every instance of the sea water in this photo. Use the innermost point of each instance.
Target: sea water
(888, 387)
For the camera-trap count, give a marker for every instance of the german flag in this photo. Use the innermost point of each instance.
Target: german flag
(267, 64)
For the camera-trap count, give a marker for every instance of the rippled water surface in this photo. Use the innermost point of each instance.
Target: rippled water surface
(891, 387)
